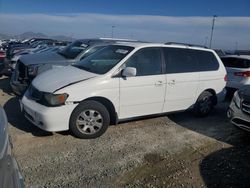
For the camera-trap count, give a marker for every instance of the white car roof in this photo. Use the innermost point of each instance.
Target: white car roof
(238, 56)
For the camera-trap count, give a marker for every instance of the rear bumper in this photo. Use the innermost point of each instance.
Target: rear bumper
(238, 84)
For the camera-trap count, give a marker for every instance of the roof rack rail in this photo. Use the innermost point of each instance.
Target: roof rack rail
(185, 44)
(120, 39)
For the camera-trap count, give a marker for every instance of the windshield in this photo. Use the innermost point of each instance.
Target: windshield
(73, 50)
(104, 60)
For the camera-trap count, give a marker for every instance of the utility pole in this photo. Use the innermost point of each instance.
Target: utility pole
(212, 31)
(112, 33)
(236, 45)
(206, 40)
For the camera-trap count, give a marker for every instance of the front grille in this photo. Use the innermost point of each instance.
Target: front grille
(34, 93)
(245, 106)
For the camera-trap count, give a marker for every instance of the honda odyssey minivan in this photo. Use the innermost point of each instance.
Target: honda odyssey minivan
(124, 81)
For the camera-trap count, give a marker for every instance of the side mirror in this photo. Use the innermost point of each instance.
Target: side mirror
(129, 72)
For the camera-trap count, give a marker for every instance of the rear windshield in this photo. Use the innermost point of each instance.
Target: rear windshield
(104, 60)
(235, 62)
(73, 50)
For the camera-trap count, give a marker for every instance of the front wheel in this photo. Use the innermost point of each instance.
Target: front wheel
(90, 119)
(204, 104)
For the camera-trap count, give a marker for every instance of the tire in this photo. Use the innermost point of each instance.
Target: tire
(204, 104)
(90, 119)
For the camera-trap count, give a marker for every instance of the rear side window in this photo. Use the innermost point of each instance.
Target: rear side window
(180, 60)
(147, 61)
(235, 62)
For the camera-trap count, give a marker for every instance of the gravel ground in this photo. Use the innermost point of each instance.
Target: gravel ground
(170, 151)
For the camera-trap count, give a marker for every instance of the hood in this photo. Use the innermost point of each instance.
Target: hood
(42, 58)
(244, 92)
(59, 77)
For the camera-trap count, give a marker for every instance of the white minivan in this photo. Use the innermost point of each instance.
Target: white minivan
(124, 81)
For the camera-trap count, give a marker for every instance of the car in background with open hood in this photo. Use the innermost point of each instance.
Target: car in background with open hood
(29, 66)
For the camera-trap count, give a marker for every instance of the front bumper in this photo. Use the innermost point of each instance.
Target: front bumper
(51, 119)
(238, 118)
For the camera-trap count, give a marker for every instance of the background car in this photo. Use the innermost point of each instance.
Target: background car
(2, 65)
(10, 175)
(16, 47)
(239, 109)
(238, 71)
(30, 66)
(38, 49)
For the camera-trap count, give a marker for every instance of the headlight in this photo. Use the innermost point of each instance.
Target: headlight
(55, 99)
(237, 99)
(32, 70)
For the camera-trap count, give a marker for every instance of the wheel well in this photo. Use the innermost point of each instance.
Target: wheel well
(109, 105)
(214, 95)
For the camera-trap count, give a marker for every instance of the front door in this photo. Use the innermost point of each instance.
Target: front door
(143, 94)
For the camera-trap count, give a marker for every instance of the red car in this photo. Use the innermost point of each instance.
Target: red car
(2, 64)
(2, 55)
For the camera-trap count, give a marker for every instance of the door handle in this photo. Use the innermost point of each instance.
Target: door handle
(171, 82)
(159, 83)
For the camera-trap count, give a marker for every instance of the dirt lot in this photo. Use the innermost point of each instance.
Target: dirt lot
(178, 150)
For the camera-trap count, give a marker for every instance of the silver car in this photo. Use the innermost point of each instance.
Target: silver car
(10, 175)
(239, 109)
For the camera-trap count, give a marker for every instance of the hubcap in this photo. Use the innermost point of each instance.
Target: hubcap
(206, 105)
(89, 121)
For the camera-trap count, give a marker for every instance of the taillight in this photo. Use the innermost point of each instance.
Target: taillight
(242, 74)
(225, 78)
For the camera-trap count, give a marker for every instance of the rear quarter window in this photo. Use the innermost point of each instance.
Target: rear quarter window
(179, 60)
(206, 61)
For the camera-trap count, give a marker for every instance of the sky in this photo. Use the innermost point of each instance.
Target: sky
(150, 20)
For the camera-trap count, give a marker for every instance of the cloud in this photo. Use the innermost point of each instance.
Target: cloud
(228, 30)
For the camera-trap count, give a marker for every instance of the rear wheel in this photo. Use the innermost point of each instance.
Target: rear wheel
(90, 119)
(204, 104)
